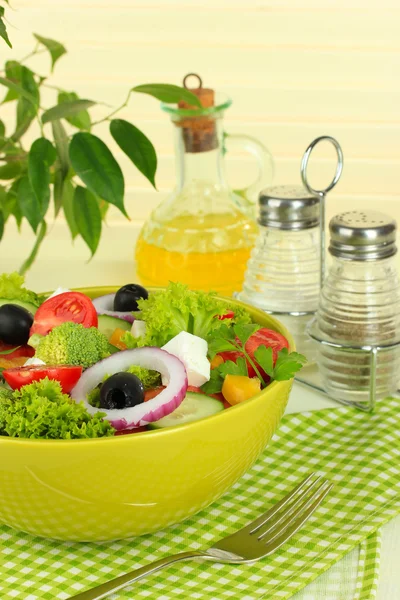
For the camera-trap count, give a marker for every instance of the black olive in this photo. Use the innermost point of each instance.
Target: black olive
(127, 297)
(15, 323)
(121, 390)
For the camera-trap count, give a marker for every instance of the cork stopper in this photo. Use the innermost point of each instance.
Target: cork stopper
(199, 133)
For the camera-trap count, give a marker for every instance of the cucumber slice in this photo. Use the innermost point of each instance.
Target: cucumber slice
(194, 407)
(107, 325)
(31, 307)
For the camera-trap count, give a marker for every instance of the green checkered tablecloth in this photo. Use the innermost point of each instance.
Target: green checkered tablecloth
(359, 452)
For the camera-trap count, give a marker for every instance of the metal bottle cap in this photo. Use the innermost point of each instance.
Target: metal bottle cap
(288, 207)
(362, 235)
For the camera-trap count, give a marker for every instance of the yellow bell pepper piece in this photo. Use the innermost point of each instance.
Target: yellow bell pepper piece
(237, 388)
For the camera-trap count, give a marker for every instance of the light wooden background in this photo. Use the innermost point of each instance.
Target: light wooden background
(295, 69)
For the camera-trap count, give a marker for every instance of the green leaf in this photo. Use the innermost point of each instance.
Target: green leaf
(219, 345)
(103, 206)
(233, 368)
(55, 48)
(167, 93)
(26, 108)
(264, 358)
(287, 364)
(81, 119)
(3, 30)
(68, 207)
(214, 385)
(41, 156)
(28, 203)
(12, 169)
(13, 73)
(18, 89)
(10, 204)
(244, 332)
(97, 168)
(31, 258)
(58, 186)
(2, 129)
(66, 109)
(1, 223)
(136, 146)
(87, 217)
(61, 143)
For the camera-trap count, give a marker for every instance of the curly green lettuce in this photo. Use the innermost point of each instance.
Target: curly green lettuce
(73, 344)
(177, 308)
(41, 411)
(11, 288)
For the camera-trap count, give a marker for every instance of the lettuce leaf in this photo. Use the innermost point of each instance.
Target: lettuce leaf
(41, 410)
(177, 308)
(11, 288)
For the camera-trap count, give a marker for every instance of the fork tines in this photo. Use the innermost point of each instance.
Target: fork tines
(289, 514)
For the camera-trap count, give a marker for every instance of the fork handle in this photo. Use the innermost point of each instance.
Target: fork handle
(105, 589)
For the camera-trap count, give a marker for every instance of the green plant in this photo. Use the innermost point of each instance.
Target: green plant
(77, 170)
(3, 29)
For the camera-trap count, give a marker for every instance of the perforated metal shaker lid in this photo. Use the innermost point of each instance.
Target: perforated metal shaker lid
(362, 235)
(289, 207)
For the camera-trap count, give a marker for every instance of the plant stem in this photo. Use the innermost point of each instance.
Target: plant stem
(34, 51)
(114, 112)
(251, 361)
(29, 261)
(52, 87)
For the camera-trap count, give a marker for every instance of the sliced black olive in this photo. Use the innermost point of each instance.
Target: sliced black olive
(15, 323)
(127, 297)
(121, 390)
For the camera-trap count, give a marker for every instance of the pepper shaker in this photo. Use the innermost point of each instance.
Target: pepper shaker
(357, 323)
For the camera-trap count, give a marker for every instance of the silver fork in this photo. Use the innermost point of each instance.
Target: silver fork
(257, 540)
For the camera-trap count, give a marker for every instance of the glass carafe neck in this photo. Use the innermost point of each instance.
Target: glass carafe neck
(199, 152)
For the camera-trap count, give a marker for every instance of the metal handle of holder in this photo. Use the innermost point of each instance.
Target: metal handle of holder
(322, 193)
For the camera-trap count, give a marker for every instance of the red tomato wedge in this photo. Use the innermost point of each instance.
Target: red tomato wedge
(67, 375)
(262, 337)
(18, 352)
(69, 306)
(228, 315)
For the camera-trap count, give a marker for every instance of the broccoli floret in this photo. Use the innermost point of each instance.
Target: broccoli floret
(41, 410)
(73, 344)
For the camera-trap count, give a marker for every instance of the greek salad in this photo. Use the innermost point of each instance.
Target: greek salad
(72, 367)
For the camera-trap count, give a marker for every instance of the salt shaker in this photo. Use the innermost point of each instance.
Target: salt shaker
(286, 266)
(357, 323)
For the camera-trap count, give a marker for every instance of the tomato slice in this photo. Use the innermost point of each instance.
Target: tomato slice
(69, 306)
(228, 315)
(67, 375)
(19, 351)
(269, 338)
(262, 337)
(149, 394)
(130, 431)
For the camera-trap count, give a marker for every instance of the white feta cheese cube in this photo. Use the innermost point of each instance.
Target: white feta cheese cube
(58, 291)
(34, 361)
(192, 351)
(138, 328)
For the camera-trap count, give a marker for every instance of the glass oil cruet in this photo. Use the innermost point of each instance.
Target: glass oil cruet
(203, 232)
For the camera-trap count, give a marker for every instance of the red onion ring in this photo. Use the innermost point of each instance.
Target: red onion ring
(173, 374)
(104, 305)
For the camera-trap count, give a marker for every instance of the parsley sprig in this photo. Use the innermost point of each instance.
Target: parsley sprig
(234, 339)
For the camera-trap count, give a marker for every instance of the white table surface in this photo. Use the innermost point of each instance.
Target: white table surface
(302, 399)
